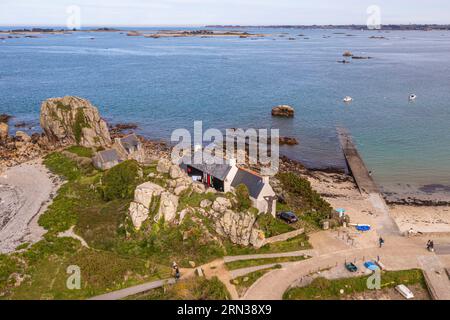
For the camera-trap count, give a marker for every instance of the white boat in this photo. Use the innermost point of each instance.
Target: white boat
(348, 99)
(404, 291)
(412, 97)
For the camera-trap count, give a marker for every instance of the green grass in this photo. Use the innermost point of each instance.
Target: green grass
(244, 282)
(62, 166)
(165, 244)
(119, 256)
(8, 265)
(325, 289)
(272, 226)
(81, 151)
(294, 244)
(120, 181)
(190, 289)
(259, 262)
(193, 199)
(48, 260)
(61, 214)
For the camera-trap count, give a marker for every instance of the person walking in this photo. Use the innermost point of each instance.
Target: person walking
(177, 274)
(381, 241)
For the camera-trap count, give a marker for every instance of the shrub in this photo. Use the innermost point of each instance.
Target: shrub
(80, 123)
(189, 289)
(7, 267)
(81, 151)
(61, 214)
(304, 198)
(120, 181)
(272, 226)
(243, 202)
(63, 166)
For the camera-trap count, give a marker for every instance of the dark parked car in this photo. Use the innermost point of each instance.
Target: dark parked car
(289, 217)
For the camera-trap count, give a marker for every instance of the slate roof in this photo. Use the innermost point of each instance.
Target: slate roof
(254, 183)
(219, 171)
(130, 140)
(108, 155)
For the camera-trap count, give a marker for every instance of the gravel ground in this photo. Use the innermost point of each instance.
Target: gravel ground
(25, 192)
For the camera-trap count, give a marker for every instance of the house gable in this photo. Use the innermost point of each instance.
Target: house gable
(254, 183)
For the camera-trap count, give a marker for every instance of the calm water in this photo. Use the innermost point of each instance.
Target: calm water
(164, 84)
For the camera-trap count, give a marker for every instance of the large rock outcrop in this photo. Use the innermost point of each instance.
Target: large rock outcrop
(149, 199)
(239, 227)
(74, 120)
(283, 111)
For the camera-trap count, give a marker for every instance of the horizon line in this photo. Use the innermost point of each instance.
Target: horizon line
(222, 24)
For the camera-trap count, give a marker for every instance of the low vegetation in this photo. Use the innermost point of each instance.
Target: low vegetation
(272, 226)
(80, 123)
(96, 204)
(120, 181)
(325, 289)
(260, 262)
(190, 289)
(303, 200)
(192, 199)
(294, 244)
(81, 151)
(243, 202)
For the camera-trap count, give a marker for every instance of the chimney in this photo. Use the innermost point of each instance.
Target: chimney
(266, 179)
(232, 162)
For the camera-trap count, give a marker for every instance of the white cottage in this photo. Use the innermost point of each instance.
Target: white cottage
(227, 176)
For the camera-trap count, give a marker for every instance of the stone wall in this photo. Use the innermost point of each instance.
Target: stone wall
(281, 237)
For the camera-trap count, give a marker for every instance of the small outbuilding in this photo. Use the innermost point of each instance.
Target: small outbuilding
(106, 159)
(130, 148)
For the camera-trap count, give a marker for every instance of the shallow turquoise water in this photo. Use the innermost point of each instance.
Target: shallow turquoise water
(164, 84)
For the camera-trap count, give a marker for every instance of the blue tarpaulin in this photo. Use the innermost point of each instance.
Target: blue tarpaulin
(363, 227)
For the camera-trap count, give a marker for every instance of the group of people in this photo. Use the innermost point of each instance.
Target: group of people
(430, 244)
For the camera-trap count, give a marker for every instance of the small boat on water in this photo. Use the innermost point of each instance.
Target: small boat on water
(348, 99)
(412, 97)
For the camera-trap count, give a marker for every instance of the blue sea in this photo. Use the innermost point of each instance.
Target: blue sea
(168, 83)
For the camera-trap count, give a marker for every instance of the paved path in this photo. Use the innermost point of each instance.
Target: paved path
(270, 255)
(274, 284)
(121, 294)
(436, 277)
(244, 271)
(442, 249)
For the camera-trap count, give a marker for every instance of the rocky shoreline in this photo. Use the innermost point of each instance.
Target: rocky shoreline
(21, 148)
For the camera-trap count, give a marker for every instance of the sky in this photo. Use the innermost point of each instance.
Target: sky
(204, 12)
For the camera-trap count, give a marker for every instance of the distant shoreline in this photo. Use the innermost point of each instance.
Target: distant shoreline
(387, 27)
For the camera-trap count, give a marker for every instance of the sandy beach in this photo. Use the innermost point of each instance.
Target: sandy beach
(422, 219)
(341, 193)
(25, 193)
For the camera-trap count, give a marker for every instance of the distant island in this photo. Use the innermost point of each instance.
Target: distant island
(393, 27)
